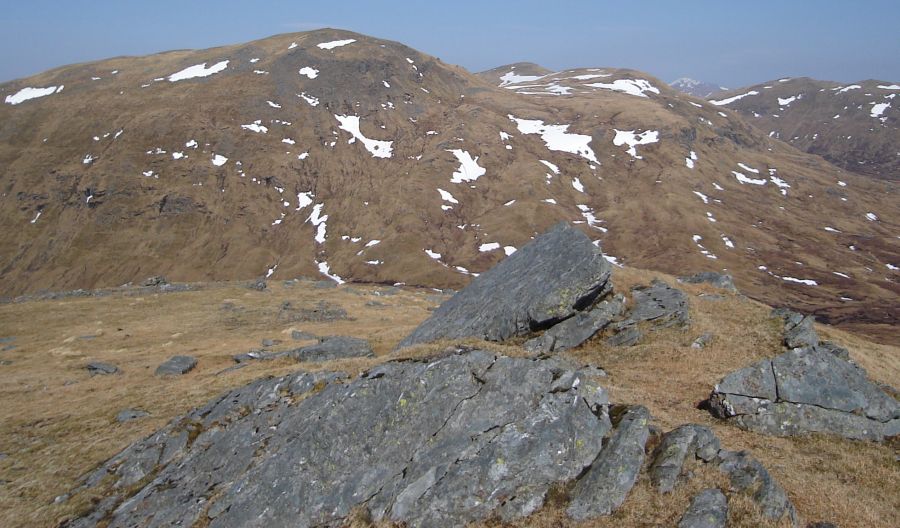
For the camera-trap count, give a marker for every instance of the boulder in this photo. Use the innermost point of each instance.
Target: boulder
(176, 366)
(708, 509)
(807, 390)
(331, 348)
(547, 281)
(606, 484)
(719, 280)
(95, 368)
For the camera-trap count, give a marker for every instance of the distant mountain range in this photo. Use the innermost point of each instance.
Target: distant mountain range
(334, 154)
(696, 88)
(856, 126)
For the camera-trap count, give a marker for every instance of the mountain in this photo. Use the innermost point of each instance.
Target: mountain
(855, 126)
(696, 88)
(332, 153)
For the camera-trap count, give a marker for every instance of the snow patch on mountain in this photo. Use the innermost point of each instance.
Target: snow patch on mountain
(379, 149)
(26, 94)
(557, 138)
(469, 170)
(199, 70)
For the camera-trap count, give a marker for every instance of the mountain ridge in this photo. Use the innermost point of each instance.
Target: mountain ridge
(466, 172)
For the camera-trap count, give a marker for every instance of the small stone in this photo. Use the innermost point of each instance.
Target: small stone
(130, 414)
(176, 366)
(324, 285)
(702, 341)
(258, 285)
(155, 281)
(99, 368)
(270, 342)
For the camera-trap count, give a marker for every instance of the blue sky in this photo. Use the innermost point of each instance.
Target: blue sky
(735, 43)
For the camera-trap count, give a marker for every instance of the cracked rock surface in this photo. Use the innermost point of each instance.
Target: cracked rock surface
(555, 276)
(435, 443)
(812, 387)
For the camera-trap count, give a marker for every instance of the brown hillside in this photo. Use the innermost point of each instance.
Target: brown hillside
(87, 206)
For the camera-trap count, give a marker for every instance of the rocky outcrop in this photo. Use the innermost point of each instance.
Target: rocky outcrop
(427, 443)
(810, 388)
(688, 443)
(549, 280)
(440, 442)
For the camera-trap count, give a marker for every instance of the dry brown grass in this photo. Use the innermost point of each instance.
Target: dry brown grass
(58, 423)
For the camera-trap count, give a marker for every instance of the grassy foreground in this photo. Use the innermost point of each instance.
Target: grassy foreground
(57, 422)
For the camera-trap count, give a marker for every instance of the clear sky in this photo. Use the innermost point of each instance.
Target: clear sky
(734, 43)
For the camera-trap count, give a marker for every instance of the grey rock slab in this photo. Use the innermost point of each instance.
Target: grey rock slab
(425, 443)
(606, 484)
(95, 368)
(719, 280)
(629, 336)
(790, 419)
(660, 303)
(577, 329)
(747, 475)
(757, 380)
(708, 509)
(834, 349)
(814, 377)
(548, 280)
(331, 348)
(678, 447)
(130, 414)
(176, 366)
(299, 335)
